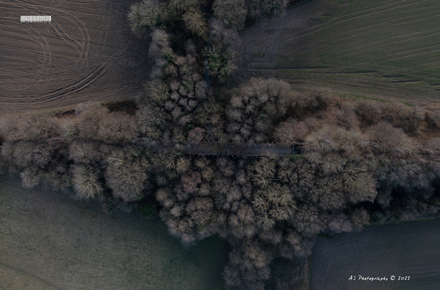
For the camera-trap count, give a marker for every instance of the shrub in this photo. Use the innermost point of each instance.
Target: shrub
(346, 116)
(34, 127)
(359, 218)
(401, 116)
(30, 177)
(339, 224)
(9, 128)
(290, 131)
(368, 111)
(387, 139)
(89, 114)
(262, 9)
(117, 127)
(433, 118)
(303, 104)
(85, 153)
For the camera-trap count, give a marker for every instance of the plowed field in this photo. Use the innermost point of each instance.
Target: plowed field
(372, 48)
(85, 53)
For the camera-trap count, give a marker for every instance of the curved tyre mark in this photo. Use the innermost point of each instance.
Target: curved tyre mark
(23, 272)
(77, 86)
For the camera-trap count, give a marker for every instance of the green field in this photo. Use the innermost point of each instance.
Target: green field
(400, 250)
(48, 241)
(372, 47)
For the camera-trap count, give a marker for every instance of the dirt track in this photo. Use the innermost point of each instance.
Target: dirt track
(86, 53)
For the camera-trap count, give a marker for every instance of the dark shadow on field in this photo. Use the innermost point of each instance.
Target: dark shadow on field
(401, 250)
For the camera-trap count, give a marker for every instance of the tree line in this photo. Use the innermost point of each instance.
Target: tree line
(363, 162)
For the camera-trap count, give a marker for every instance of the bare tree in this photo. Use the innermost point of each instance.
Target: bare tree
(231, 12)
(273, 203)
(359, 184)
(183, 5)
(126, 174)
(308, 221)
(147, 14)
(195, 22)
(86, 181)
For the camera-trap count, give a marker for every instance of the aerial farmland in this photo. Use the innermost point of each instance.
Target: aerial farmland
(219, 144)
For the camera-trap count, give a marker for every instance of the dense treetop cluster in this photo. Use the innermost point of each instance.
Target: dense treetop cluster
(362, 162)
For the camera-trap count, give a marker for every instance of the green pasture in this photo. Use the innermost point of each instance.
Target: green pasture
(49, 241)
(389, 47)
(409, 250)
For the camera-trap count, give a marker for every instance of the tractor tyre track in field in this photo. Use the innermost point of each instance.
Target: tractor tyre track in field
(77, 86)
(83, 54)
(387, 50)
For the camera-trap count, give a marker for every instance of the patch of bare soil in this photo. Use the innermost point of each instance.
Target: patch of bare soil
(86, 52)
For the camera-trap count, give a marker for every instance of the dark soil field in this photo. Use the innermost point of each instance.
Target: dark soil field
(86, 53)
(49, 241)
(404, 250)
(381, 49)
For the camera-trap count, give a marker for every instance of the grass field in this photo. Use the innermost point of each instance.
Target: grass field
(374, 47)
(401, 250)
(49, 241)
